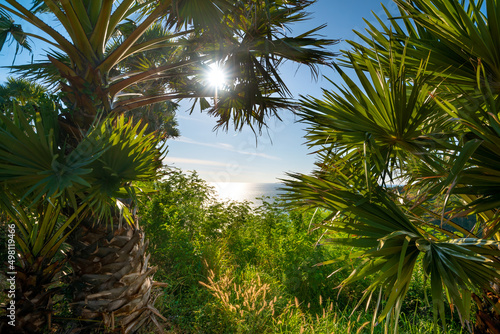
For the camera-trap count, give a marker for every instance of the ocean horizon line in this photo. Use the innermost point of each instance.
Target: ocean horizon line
(246, 191)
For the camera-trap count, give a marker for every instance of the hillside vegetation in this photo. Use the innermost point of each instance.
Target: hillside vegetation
(232, 268)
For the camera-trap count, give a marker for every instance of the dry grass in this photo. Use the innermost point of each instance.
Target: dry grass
(250, 303)
(256, 309)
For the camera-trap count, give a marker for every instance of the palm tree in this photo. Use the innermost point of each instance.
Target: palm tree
(425, 115)
(41, 184)
(112, 278)
(158, 117)
(11, 31)
(21, 90)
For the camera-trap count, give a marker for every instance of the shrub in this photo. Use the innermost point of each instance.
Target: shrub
(257, 266)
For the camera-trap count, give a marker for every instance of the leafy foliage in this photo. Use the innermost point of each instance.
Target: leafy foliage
(9, 30)
(109, 60)
(47, 190)
(425, 115)
(239, 251)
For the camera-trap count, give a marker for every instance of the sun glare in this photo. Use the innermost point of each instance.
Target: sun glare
(216, 76)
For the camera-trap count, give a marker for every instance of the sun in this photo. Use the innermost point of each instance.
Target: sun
(216, 76)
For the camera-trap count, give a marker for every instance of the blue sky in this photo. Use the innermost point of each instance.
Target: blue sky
(235, 156)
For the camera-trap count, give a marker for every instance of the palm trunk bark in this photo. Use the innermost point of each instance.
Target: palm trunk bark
(488, 313)
(112, 279)
(34, 290)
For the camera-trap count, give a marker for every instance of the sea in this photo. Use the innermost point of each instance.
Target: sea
(245, 191)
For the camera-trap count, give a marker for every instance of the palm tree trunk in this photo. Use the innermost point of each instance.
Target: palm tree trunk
(488, 313)
(112, 280)
(32, 308)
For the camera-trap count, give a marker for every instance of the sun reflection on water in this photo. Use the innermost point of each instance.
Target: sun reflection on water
(244, 191)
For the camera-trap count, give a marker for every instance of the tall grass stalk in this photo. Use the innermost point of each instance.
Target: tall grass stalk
(234, 269)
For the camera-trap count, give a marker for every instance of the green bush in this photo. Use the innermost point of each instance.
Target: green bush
(209, 253)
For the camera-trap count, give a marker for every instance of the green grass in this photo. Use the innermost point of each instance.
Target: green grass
(231, 268)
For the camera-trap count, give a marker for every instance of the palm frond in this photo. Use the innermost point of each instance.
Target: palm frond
(390, 244)
(130, 155)
(13, 33)
(455, 39)
(380, 124)
(31, 159)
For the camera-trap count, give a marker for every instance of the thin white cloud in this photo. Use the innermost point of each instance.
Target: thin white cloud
(263, 155)
(171, 160)
(222, 146)
(227, 147)
(191, 119)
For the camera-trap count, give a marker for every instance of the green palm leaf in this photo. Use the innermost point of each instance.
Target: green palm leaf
(455, 39)
(426, 109)
(390, 245)
(31, 159)
(130, 156)
(380, 124)
(9, 30)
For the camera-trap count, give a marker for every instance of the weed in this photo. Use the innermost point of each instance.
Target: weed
(256, 268)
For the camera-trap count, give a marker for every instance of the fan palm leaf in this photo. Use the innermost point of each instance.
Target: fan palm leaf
(253, 45)
(444, 146)
(456, 39)
(47, 192)
(390, 243)
(9, 31)
(39, 234)
(478, 183)
(378, 125)
(21, 90)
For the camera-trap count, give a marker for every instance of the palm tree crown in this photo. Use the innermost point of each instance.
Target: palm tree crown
(425, 116)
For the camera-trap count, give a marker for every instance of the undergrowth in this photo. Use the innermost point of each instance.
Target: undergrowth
(233, 268)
